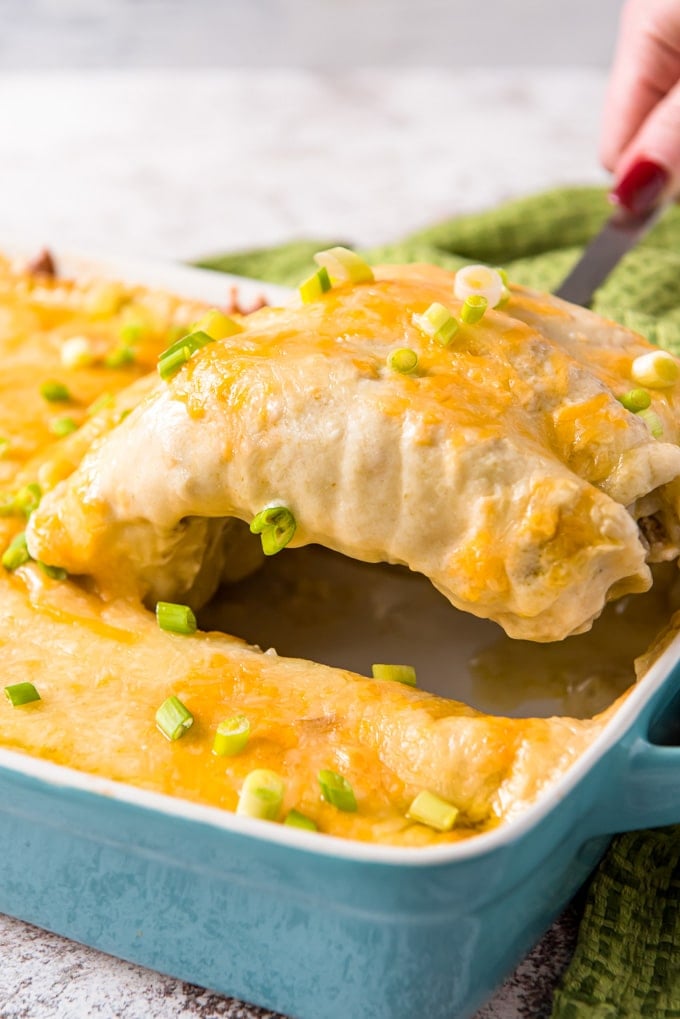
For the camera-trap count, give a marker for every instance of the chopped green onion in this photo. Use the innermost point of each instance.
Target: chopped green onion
(76, 352)
(131, 333)
(396, 673)
(506, 294)
(261, 795)
(432, 810)
(28, 498)
(473, 308)
(21, 693)
(179, 352)
(173, 718)
(103, 401)
(403, 360)
(53, 572)
(7, 505)
(344, 266)
(175, 618)
(437, 323)
(63, 426)
(195, 340)
(106, 298)
(218, 326)
(16, 553)
(479, 280)
(276, 527)
(336, 789)
(657, 370)
(232, 736)
(54, 392)
(295, 819)
(121, 357)
(314, 286)
(653, 422)
(171, 363)
(635, 400)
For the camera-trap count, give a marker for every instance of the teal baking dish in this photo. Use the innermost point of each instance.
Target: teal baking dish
(314, 926)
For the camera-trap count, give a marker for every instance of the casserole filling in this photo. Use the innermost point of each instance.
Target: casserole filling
(493, 453)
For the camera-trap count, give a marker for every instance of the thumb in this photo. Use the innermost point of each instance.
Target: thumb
(649, 167)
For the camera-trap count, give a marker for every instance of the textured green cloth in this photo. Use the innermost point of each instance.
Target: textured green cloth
(627, 961)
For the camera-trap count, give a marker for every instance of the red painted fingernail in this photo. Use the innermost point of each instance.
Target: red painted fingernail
(640, 188)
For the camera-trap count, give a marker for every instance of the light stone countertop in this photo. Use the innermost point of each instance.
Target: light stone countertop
(175, 165)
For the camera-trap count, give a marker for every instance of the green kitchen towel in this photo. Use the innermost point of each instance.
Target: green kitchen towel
(627, 960)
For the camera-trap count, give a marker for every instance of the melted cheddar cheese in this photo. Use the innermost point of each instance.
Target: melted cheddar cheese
(504, 468)
(506, 439)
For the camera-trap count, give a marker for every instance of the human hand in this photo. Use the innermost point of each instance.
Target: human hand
(641, 130)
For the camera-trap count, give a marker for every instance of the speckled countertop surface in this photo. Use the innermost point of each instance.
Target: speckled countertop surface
(180, 164)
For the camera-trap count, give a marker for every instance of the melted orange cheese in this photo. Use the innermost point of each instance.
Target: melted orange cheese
(102, 665)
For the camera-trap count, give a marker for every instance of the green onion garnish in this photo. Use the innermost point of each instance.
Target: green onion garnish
(105, 400)
(53, 572)
(396, 673)
(276, 527)
(171, 363)
(657, 370)
(653, 422)
(28, 498)
(131, 333)
(175, 618)
(179, 352)
(344, 266)
(505, 293)
(76, 352)
(336, 789)
(261, 795)
(121, 357)
(314, 286)
(432, 810)
(437, 323)
(218, 326)
(16, 553)
(63, 426)
(403, 360)
(54, 392)
(479, 280)
(21, 693)
(231, 737)
(473, 308)
(173, 718)
(635, 400)
(295, 819)
(7, 505)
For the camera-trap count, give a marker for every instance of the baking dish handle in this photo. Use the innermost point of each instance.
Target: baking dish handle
(648, 793)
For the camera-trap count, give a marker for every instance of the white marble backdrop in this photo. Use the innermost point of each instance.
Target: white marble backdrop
(318, 34)
(179, 164)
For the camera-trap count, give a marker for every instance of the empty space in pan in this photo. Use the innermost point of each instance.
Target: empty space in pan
(316, 604)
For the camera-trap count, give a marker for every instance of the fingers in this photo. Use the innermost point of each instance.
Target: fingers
(646, 68)
(649, 166)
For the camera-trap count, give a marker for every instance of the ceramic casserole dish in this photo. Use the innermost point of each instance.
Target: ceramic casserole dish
(320, 927)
